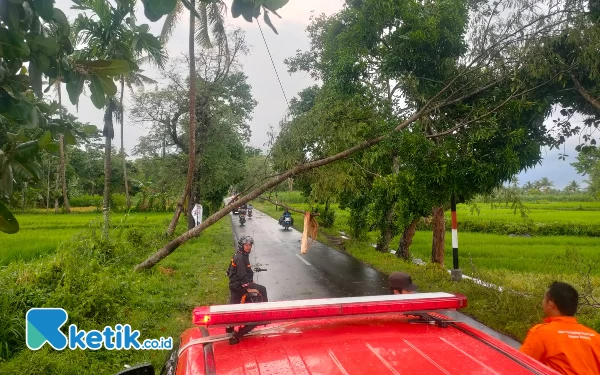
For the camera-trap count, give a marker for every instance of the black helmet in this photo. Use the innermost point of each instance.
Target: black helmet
(244, 240)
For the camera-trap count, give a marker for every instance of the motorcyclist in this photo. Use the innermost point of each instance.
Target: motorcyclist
(285, 214)
(241, 275)
(243, 208)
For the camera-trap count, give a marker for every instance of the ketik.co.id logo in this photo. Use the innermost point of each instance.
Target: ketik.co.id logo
(43, 326)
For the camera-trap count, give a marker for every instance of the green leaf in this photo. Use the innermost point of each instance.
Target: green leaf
(108, 85)
(17, 137)
(45, 8)
(26, 151)
(162, 7)
(239, 7)
(47, 45)
(42, 61)
(269, 23)
(149, 13)
(75, 87)
(62, 22)
(13, 45)
(33, 169)
(90, 129)
(35, 78)
(274, 5)
(97, 93)
(70, 138)
(45, 140)
(8, 223)
(106, 67)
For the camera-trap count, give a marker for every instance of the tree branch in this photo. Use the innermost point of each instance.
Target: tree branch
(286, 207)
(586, 95)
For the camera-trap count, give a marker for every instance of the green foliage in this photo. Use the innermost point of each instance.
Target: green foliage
(86, 201)
(326, 218)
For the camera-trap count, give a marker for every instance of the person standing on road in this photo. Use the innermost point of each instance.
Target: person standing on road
(561, 343)
(401, 283)
(241, 275)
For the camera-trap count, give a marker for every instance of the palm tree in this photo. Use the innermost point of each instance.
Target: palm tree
(110, 33)
(573, 187)
(153, 55)
(211, 17)
(544, 184)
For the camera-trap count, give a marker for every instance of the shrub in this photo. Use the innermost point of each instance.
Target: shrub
(327, 217)
(86, 201)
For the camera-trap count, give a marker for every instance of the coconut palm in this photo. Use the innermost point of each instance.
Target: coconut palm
(105, 31)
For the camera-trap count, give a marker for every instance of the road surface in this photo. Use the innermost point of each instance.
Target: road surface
(321, 273)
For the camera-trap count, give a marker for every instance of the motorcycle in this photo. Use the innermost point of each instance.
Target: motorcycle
(249, 212)
(242, 217)
(287, 222)
(249, 297)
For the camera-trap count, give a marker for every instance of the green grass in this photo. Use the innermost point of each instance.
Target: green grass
(94, 282)
(497, 252)
(42, 234)
(539, 213)
(523, 266)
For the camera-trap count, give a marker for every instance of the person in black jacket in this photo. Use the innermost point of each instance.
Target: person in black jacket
(241, 276)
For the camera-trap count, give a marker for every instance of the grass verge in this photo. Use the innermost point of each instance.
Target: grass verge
(93, 280)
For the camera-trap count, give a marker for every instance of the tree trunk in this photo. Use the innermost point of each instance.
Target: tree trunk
(406, 240)
(56, 204)
(192, 130)
(66, 205)
(108, 126)
(190, 208)
(63, 175)
(48, 193)
(439, 233)
(123, 147)
(24, 197)
(383, 245)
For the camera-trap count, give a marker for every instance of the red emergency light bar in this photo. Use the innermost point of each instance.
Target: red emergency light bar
(254, 313)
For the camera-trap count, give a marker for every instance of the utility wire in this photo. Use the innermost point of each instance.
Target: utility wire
(274, 68)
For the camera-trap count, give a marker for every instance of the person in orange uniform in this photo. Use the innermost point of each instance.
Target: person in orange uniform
(560, 342)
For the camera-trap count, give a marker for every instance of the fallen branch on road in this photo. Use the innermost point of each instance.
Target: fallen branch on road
(287, 207)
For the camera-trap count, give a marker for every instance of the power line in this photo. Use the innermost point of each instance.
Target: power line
(271, 57)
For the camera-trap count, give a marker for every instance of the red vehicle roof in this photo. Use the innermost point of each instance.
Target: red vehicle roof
(398, 343)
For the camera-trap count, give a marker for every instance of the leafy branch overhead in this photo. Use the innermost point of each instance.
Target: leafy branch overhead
(249, 9)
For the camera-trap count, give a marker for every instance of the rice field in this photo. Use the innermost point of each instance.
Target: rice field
(41, 234)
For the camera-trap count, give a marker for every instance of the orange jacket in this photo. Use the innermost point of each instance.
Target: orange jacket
(564, 345)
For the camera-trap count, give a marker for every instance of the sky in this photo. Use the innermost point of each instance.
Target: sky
(265, 86)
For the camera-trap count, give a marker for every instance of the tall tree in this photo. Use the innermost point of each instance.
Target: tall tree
(110, 33)
(210, 13)
(485, 74)
(224, 105)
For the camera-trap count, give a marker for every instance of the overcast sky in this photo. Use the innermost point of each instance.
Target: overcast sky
(265, 87)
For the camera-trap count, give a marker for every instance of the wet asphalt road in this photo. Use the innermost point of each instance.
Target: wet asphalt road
(320, 273)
